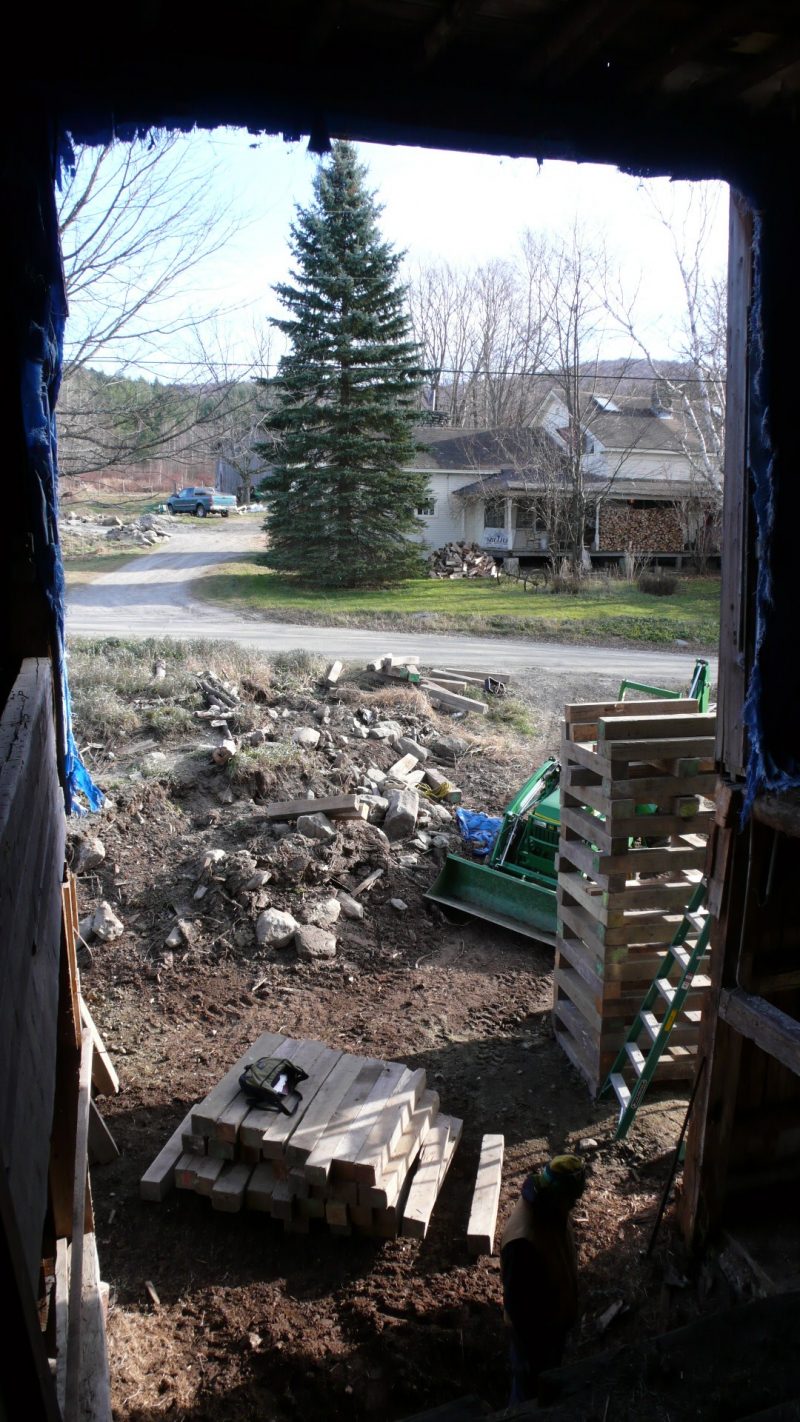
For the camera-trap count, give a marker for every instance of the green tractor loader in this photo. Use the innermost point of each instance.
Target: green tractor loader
(516, 887)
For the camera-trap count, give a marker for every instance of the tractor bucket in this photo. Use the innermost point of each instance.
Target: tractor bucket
(498, 896)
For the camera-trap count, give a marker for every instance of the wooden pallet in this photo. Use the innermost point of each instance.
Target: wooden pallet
(366, 1152)
(625, 876)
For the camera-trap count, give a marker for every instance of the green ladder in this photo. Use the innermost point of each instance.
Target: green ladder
(683, 957)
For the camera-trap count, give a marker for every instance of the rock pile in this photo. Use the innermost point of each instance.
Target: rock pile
(461, 560)
(146, 531)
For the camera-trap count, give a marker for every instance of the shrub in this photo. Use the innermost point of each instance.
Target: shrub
(658, 583)
(564, 583)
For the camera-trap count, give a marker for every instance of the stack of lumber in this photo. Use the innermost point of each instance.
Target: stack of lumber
(461, 560)
(635, 781)
(367, 1150)
(396, 668)
(656, 530)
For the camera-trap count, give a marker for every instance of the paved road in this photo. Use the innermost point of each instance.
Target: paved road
(149, 597)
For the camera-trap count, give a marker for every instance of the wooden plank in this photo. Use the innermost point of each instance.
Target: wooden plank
(334, 806)
(774, 1031)
(159, 1178)
(326, 1102)
(61, 1305)
(424, 1189)
(379, 1146)
(336, 1139)
(102, 1146)
(282, 1202)
(585, 756)
(94, 1386)
(371, 1116)
(206, 1173)
(186, 1168)
(334, 672)
(260, 1186)
(386, 1195)
(486, 1196)
(701, 725)
(228, 1190)
(666, 749)
(241, 1121)
(73, 1371)
(193, 1143)
(319, 1061)
(104, 1077)
(205, 1116)
(449, 698)
(655, 706)
(403, 767)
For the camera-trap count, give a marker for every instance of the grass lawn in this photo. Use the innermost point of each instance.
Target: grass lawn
(104, 501)
(604, 610)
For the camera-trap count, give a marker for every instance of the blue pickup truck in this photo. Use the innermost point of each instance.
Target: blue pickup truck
(201, 501)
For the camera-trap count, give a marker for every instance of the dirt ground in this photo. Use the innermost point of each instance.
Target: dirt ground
(253, 1323)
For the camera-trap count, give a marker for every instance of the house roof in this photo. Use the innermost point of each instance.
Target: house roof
(483, 449)
(633, 428)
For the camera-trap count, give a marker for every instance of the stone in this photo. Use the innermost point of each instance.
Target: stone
(448, 748)
(274, 928)
(324, 914)
(438, 812)
(87, 854)
(255, 738)
(409, 747)
(401, 815)
(181, 934)
(154, 763)
(316, 826)
(384, 730)
(351, 908)
(313, 943)
(104, 924)
(211, 863)
(224, 752)
(375, 775)
(399, 904)
(588, 1143)
(306, 736)
(257, 881)
(239, 868)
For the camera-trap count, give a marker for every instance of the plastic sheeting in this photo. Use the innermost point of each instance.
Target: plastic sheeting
(40, 379)
(478, 831)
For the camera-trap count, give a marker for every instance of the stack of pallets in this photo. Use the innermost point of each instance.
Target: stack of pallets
(366, 1151)
(634, 827)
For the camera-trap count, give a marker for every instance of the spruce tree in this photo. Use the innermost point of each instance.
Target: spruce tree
(343, 497)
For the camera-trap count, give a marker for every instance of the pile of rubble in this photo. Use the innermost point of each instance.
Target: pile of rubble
(147, 530)
(377, 803)
(461, 560)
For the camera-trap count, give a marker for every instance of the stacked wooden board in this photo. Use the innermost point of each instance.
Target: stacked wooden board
(636, 778)
(367, 1150)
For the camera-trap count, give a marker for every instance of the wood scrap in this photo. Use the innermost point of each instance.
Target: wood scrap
(336, 807)
(450, 699)
(486, 1196)
(334, 672)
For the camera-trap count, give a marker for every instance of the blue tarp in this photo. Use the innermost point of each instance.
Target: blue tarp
(478, 831)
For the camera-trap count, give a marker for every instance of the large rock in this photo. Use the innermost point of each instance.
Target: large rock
(449, 748)
(274, 928)
(401, 816)
(314, 943)
(104, 924)
(324, 914)
(316, 826)
(385, 730)
(351, 908)
(87, 854)
(409, 747)
(306, 736)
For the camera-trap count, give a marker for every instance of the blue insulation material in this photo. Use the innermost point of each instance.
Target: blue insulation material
(478, 831)
(40, 379)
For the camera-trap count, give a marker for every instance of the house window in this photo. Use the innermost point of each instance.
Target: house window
(526, 515)
(494, 513)
(427, 509)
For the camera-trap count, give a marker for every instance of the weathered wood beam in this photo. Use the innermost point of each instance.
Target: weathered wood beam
(570, 46)
(761, 1022)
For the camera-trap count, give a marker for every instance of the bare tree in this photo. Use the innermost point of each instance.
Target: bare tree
(136, 223)
(692, 384)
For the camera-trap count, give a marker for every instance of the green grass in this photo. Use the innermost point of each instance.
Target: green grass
(607, 609)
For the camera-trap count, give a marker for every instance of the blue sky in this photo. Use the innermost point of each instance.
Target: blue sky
(463, 207)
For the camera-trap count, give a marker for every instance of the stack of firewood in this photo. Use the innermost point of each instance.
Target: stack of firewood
(461, 560)
(653, 530)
